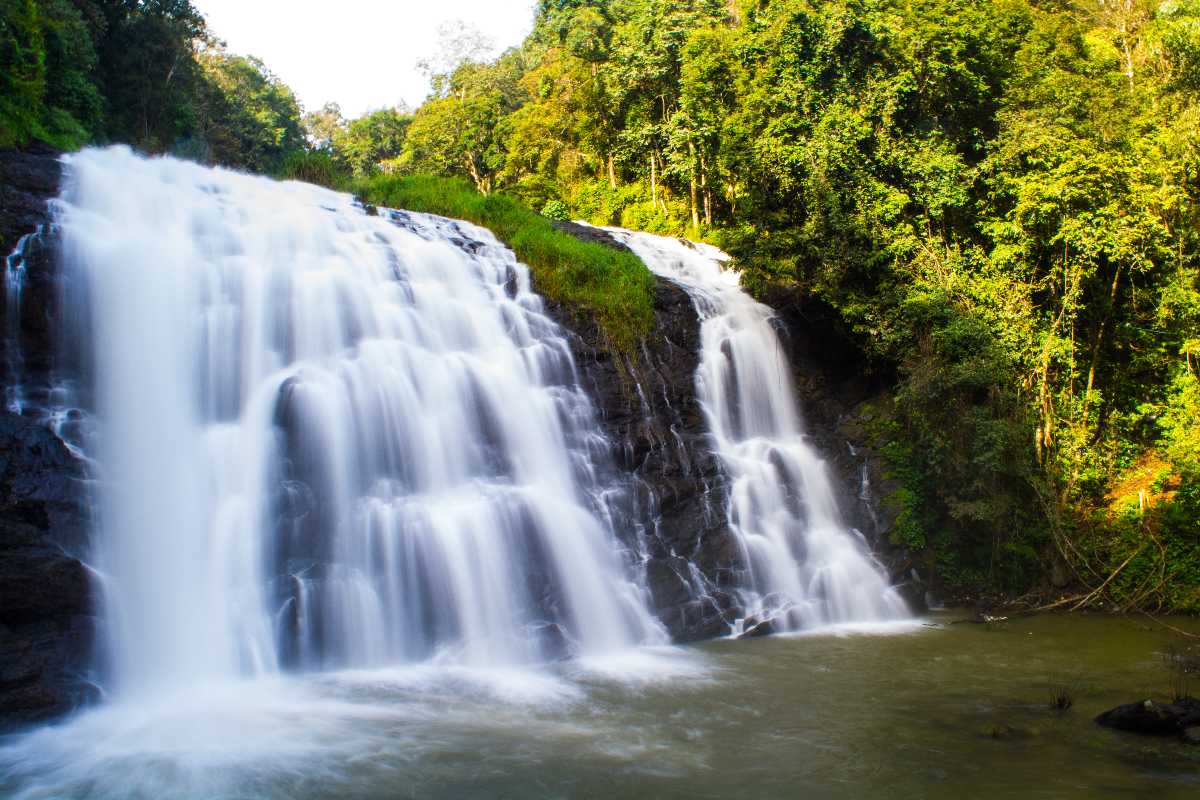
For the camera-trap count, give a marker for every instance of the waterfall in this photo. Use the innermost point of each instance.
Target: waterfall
(326, 437)
(805, 567)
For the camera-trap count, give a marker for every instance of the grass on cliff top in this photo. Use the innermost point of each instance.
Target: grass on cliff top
(613, 287)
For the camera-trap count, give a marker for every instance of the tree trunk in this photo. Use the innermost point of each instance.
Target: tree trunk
(612, 173)
(1112, 301)
(654, 181)
(707, 192)
(482, 185)
(693, 189)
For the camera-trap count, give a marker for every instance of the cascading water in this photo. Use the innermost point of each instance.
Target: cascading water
(805, 567)
(326, 438)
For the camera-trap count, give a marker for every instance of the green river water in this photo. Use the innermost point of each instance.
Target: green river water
(939, 711)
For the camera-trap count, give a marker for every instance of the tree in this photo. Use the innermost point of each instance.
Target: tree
(248, 118)
(322, 125)
(22, 70)
(374, 141)
(148, 69)
(457, 133)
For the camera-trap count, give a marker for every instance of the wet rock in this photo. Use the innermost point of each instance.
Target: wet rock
(755, 628)
(46, 597)
(772, 619)
(587, 233)
(552, 640)
(1191, 734)
(647, 405)
(41, 489)
(707, 617)
(29, 179)
(1154, 719)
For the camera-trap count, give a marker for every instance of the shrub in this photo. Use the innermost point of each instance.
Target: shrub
(556, 210)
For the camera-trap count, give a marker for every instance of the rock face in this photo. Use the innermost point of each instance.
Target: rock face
(648, 407)
(45, 593)
(46, 597)
(28, 181)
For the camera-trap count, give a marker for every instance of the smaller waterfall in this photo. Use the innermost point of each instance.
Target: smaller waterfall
(806, 567)
(14, 289)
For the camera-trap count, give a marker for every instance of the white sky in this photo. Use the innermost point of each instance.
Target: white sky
(360, 53)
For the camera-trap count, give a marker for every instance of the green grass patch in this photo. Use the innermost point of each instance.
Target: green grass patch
(614, 288)
(313, 167)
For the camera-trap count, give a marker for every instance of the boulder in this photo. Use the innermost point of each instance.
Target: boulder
(753, 628)
(1178, 718)
(776, 606)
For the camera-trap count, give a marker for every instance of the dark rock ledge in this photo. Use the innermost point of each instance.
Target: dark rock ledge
(46, 596)
(46, 624)
(648, 408)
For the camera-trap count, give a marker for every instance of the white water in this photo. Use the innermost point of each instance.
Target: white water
(327, 440)
(806, 567)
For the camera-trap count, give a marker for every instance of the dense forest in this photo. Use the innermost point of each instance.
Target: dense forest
(995, 200)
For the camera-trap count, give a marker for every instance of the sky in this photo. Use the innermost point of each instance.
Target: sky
(361, 54)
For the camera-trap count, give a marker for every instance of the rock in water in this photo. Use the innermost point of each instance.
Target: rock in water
(1155, 719)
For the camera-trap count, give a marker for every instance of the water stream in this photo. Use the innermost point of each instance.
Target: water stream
(328, 439)
(940, 713)
(806, 567)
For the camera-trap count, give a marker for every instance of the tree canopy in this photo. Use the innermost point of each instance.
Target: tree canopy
(996, 200)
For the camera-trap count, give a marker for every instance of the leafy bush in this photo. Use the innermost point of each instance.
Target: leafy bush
(556, 210)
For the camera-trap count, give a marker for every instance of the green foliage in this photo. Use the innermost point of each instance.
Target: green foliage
(47, 65)
(613, 287)
(1000, 200)
(247, 118)
(148, 71)
(322, 125)
(142, 72)
(556, 210)
(459, 131)
(22, 70)
(74, 107)
(313, 166)
(373, 142)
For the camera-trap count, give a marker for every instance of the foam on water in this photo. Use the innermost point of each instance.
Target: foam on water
(279, 735)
